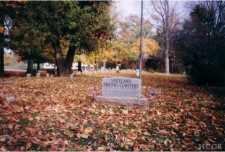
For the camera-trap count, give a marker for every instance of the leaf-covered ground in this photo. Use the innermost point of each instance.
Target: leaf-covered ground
(60, 114)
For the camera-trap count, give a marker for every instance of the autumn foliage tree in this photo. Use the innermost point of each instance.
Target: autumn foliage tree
(127, 42)
(149, 49)
(150, 46)
(83, 24)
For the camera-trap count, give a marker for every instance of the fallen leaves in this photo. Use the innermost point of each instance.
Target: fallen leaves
(60, 114)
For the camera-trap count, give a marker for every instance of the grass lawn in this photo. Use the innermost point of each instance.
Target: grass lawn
(60, 114)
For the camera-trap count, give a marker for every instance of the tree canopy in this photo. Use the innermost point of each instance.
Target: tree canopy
(85, 25)
(202, 43)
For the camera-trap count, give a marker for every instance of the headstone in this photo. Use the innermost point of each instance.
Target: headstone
(121, 87)
(117, 69)
(137, 73)
(38, 74)
(122, 91)
(72, 76)
(47, 74)
(28, 75)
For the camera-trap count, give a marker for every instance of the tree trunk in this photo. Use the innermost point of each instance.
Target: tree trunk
(2, 39)
(69, 58)
(30, 66)
(167, 47)
(1, 61)
(167, 66)
(61, 70)
(38, 65)
(79, 66)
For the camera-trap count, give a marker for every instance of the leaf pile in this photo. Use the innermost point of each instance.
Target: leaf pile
(60, 114)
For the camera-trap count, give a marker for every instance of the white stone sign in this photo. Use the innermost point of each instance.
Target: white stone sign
(121, 87)
(122, 91)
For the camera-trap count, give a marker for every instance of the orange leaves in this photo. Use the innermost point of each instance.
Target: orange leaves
(69, 114)
(88, 130)
(101, 141)
(1, 29)
(59, 114)
(150, 46)
(85, 133)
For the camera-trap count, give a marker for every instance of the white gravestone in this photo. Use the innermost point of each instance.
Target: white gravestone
(121, 87)
(28, 75)
(122, 91)
(38, 74)
(72, 75)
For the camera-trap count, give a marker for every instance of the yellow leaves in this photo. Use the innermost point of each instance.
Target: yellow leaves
(150, 46)
(202, 124)
(146, 133)
(125, 112)
(85, 133)
(111, 111)
(93, 106)
(132, 135)
(67, 133)
(20, 109)
(103, 111)
(158, 113)
(1, 29)
(106, 54)
(73, 126)
(167, 142)
(101, 148)
(88, 130)
(82, 136)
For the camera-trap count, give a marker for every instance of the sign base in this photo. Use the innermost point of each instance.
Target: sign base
(131, 102)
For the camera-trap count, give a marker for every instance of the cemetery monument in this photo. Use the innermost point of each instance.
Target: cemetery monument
(122, 91)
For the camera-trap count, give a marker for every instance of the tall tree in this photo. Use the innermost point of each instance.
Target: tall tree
(129, 30)
(5, 9)
(84, 24)
(8, 10)
(150, 46)
(202, 43)
(127, 34)
(165, 21)
(27, 42)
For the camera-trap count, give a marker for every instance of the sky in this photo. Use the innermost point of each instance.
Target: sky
(127, 7)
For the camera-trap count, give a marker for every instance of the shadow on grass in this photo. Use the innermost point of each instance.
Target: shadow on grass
(218, 94)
